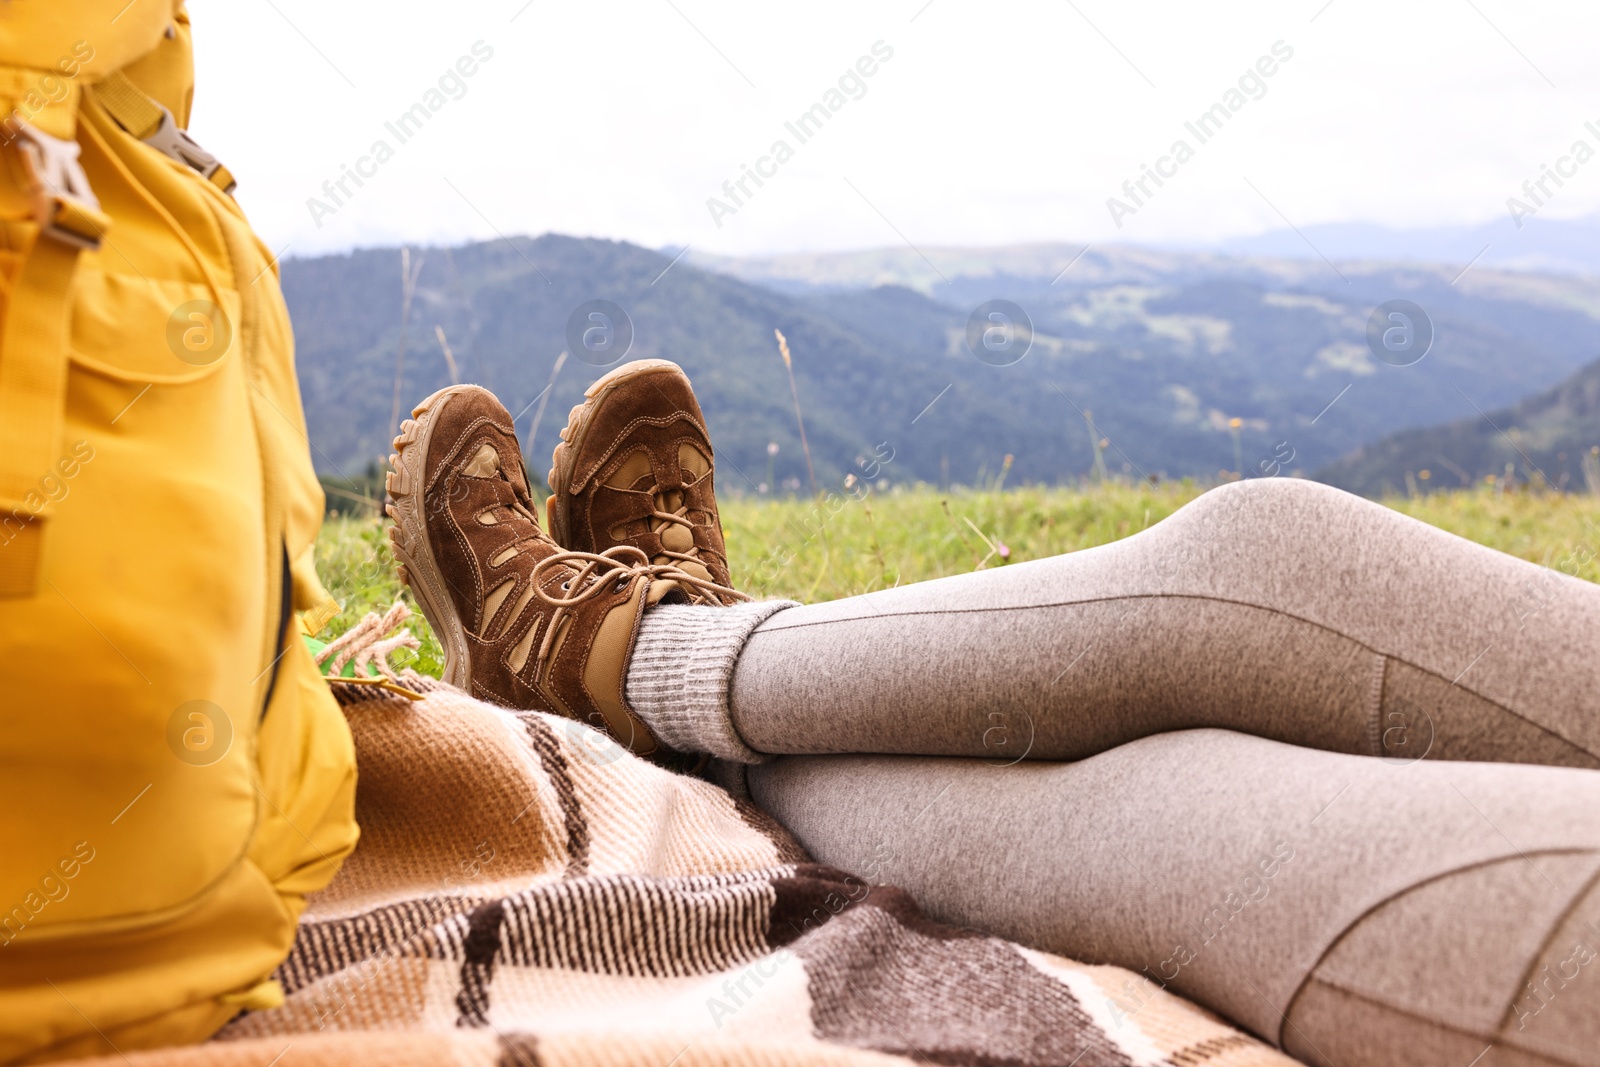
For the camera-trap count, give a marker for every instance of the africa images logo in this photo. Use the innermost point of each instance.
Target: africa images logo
(450, 85)
(805, 126)
(1252, 85)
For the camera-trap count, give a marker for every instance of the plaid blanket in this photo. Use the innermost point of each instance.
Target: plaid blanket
(526, 892)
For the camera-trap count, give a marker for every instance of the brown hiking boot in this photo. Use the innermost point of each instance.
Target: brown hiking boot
(523, 623)
(635, 468)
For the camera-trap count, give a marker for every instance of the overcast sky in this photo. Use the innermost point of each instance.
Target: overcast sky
(991, 122)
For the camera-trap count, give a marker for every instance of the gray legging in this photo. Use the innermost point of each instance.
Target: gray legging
(1357, 900)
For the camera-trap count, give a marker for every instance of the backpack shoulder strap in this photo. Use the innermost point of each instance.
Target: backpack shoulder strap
(34, 339)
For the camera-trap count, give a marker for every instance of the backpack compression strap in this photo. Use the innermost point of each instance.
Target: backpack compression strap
(34, 343)
(154, 125)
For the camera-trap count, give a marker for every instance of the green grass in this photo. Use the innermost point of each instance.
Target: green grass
(843, 546)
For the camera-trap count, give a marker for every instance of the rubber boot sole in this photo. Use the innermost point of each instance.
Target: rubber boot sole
(409, 535)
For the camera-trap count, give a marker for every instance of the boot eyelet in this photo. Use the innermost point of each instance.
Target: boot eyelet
(622, 583)
(566, 585)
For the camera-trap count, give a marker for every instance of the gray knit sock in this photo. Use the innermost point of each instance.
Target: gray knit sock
(681, 669)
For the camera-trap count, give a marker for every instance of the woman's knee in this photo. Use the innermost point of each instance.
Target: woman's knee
(1253, 502)
(1259, 527)
(1233, 535)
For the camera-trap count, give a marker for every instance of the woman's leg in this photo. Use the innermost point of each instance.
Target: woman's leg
(1280, 608)
(1355, 910)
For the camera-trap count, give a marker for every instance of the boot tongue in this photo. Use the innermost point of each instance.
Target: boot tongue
(668, 590)
(674, 536)
(694, 567)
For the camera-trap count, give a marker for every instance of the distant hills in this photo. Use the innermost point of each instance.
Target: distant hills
(1565, 246)
(1164, 349)
(1542, 438)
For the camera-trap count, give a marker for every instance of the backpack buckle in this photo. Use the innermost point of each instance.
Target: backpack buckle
(174, 142)
(64, 206)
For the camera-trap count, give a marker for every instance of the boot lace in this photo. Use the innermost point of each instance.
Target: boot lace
(680, 517)
(591, 573)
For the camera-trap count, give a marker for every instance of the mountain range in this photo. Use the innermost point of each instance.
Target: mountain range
(1539, 245)
(1172, 363)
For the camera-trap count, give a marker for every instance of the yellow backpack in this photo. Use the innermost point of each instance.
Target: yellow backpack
(174, 775)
